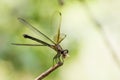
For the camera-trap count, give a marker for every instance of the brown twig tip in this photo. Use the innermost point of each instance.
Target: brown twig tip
(47, 72)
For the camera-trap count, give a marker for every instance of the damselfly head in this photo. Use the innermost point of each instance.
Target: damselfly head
(65, 53)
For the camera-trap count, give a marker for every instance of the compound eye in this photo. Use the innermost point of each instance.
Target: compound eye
(64, 51)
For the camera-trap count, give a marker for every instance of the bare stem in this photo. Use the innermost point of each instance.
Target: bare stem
(47, 72)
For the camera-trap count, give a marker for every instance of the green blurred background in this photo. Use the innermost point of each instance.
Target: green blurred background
(93, 38)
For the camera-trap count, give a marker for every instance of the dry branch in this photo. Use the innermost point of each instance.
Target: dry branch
(47, 72)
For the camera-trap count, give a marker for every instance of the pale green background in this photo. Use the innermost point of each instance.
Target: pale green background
(90, 47)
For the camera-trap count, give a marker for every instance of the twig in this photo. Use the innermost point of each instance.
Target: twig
(47, 72)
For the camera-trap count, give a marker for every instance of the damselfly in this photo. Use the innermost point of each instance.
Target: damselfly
(61, 53)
